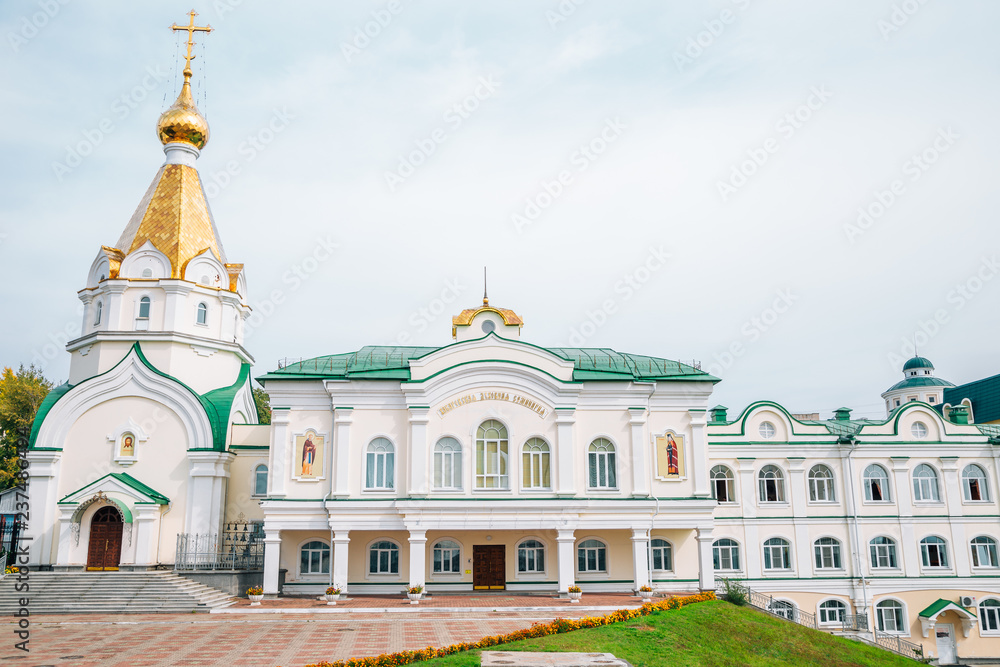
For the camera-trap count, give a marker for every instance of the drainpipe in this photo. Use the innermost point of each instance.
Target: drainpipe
(854, 516)
(326, 504)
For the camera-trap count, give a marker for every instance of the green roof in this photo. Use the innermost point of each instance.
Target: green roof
(942, 604)
(920, 381)
(130, 481)
(984, 395)
(393, 363)
(917, 362)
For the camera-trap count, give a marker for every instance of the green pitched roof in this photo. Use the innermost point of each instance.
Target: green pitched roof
(393, 363)
(129, 481)
(942, 604)
(984, 394)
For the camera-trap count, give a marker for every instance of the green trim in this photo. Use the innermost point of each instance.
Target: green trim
(43, 410)
(478, 499)
(941, 605)
(129, 481)
(238, 447)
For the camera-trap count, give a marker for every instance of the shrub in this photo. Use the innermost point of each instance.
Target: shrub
(736, 593)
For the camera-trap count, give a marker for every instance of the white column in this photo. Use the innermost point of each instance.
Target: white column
(802, 547)
(417, 456)
(698, 453)
(748, 487)
(208, 473)
(146, 534)
(640, 557)
(341, 542)
(565, 477)
(706, 567)
(342, 418)
(418, 557)
(640, 451)
(88, 313)
(565, 540)
(279, 471)
(66, 541)
(114, 289)
(42, 490)
(175, 293)
(272, 559)
(951, 492)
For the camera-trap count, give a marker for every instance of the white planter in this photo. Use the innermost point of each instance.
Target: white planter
(575, 597)
(255, 600)
(331, 599)
(646, 600)
(414, 598)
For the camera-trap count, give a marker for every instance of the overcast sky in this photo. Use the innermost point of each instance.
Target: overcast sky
(787, 192)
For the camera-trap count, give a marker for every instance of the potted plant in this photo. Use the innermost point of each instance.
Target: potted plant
(575, 593)
(332, 595)
(9, 570)
(646, 592)
(414, 592)
(256, 594)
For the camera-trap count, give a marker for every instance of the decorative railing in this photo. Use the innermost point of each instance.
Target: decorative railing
(240, 546)
(10, 534)
(849, 622)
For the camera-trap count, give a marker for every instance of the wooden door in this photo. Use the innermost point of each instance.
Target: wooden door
(489, 568)
(105, 548)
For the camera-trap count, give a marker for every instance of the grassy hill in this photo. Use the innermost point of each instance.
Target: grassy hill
(708, 633)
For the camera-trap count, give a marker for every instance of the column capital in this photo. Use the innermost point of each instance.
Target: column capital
(416, 536)
(640, 534)
(341, 536)
(566, 535)
(704, 534)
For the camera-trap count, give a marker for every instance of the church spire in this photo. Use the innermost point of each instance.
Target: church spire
(182, 122)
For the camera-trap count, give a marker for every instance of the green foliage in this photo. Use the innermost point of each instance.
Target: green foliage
(263, 403)
(736, 593)
(21, 393)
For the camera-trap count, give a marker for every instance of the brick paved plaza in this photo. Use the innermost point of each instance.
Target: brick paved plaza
(288, 639)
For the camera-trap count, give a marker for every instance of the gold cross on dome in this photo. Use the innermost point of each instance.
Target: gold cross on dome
(191, 29)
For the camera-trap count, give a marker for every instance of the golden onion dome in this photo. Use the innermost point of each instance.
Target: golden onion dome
(182, 121)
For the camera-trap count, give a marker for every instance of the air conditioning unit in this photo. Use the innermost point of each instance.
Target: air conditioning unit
(968, 601)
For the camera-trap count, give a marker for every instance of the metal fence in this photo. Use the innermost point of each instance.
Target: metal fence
(240, 546)
(848, 622)
(10, 531)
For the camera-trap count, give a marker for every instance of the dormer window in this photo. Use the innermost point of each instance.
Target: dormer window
(927, 372)
(202, 314)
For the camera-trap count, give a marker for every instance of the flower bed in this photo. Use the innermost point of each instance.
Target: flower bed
(557, 626)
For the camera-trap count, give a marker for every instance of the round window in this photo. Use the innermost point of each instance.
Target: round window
(919, 430)
(767, 430)
(489, 326)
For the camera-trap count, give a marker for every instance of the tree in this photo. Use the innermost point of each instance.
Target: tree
(20, 395)
(263, 403)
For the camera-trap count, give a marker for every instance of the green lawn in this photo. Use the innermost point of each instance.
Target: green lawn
(707, 633)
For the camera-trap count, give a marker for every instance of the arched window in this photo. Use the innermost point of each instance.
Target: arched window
(989, 615)
(447, 557)
(663, 555)
(925, 484)
(531, 557)
(974, 484)
(448, 464)
(592, 556)
(314, 558)
(934, 552)
(726, 554)
(723, 484)
(491, 456)
(147, 273)
(98, 310)
(883, 552)
(783, 608)
(202, 314)
(827, 552)
(889, 614)
(535, 464)
(260, 480)
(984, 552)
(821, 484)
(832, 611)
(601, 462)
(380, 469)
(772, 484)
(876, 483)
(383, 558)
(777, 555)
(144, 308)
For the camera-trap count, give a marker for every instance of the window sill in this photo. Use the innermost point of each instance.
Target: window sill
(592, 575)
(446, 575)
(928, 503)
(531, 576)
(823, 571)
(777, 573)
(766, 504)
(977, 502)
(882, 503)
(536, 490)
(603, 489)
(379, 491)
(823, 503)
(387, 576)
(450, 492)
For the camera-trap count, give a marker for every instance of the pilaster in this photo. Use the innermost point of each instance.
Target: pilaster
(418, 455)
(640, 452)
(280, 453)
(342, 419)
(698, 453)
(565, 481)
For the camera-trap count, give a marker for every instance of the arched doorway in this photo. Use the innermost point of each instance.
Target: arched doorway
(105, 549)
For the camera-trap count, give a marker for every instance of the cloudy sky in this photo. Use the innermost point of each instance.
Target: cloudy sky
(788, 192)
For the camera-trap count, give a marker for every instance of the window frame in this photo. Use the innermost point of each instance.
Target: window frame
(374, 546)
(329, 558)
(994, 613)
(886, 492)
(891, 550)
(835, 548)
(522, 545)
(783, 548)
(542, 458)
(900, 609)
(934, 543)
(454, 458)
(446, 544)
(144, 300)
(501, 461)
(732, 547)
(730, 484)
(255, 478)
(828, 482)
(600, 549)
(666, 553)
(984, 483)
(99, 312)
(201, 309)
(781, 497)
(929, 484)
(992, 549)
(919, 426)
(767, 426)
(609, 453)
(387, 458)
(822, 612)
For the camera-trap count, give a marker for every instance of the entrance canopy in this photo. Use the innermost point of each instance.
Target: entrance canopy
(928, 617)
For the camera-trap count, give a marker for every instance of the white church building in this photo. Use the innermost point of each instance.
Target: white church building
(487, 463)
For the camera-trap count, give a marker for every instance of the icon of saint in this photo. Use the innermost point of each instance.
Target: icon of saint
(127, 446)
(308, 455)
(672, 455)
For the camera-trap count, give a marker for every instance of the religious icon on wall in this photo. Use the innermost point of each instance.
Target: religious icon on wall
(309, 454)
(128, 445)
(670, 456)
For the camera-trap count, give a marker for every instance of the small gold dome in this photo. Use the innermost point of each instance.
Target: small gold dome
(182, 121)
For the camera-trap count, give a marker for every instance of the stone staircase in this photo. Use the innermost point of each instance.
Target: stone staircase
(152, 592)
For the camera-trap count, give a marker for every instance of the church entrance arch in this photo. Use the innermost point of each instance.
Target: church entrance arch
(104, 550)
